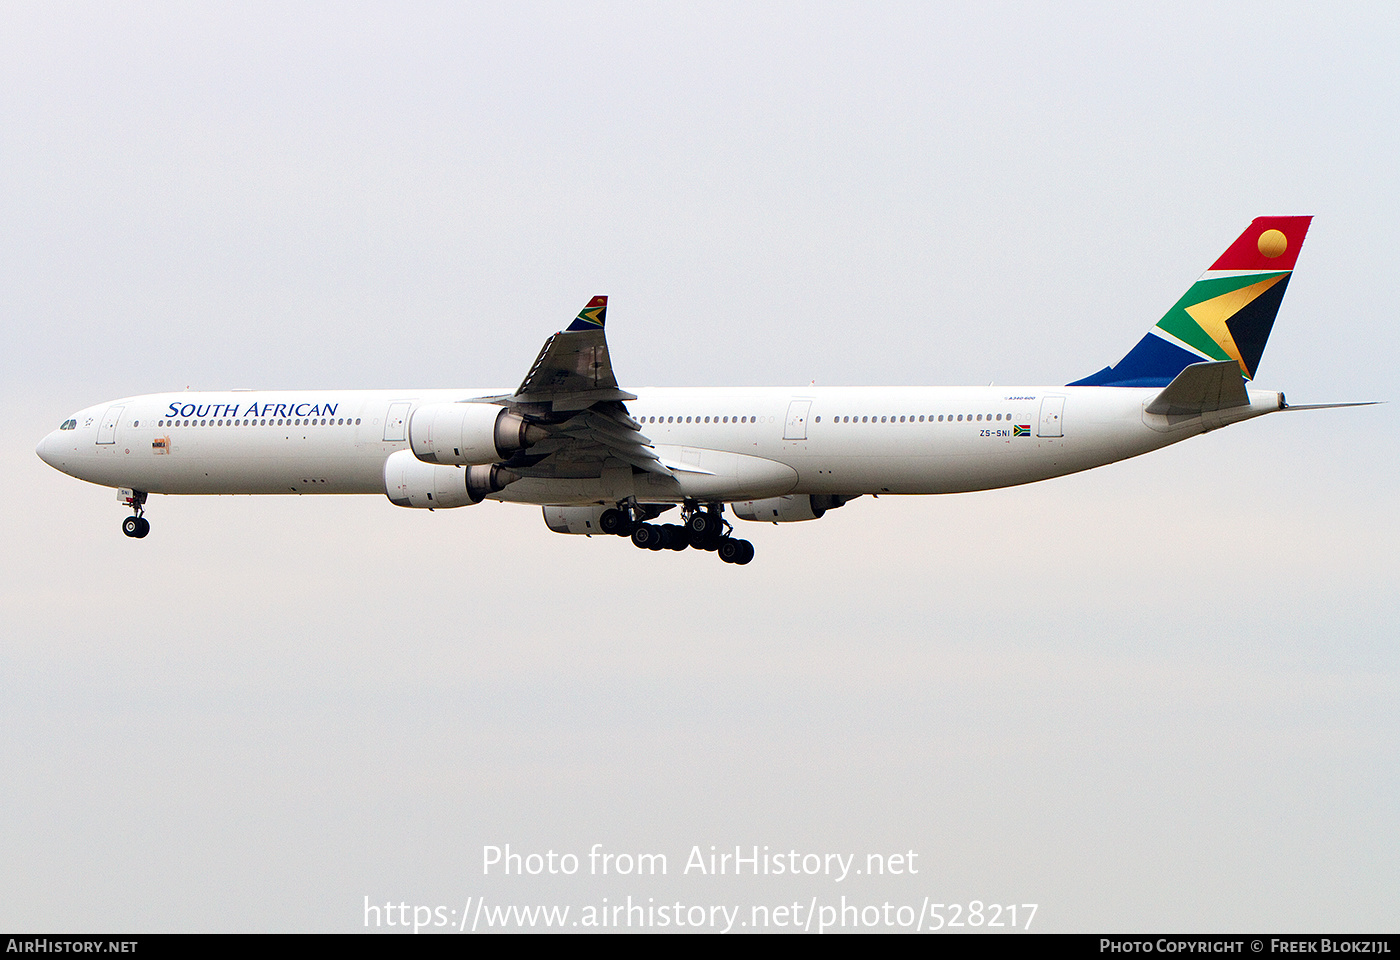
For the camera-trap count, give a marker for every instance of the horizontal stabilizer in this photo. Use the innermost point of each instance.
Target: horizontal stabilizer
(1200, 388)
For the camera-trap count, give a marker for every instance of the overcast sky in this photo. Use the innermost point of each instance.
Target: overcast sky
(1161, 695)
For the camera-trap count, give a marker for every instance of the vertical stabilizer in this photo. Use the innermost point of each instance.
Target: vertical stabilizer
(1226, 315)
(591, 317)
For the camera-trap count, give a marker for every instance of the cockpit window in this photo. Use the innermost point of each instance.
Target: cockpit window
(69, 425)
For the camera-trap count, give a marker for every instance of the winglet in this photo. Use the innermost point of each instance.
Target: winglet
(591, 317)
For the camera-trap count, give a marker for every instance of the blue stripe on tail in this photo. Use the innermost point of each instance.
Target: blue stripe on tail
(1152, 363)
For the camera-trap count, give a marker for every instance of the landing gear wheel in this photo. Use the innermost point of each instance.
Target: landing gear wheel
(675, 537)
(616, 522)
(136, 527)
(705, 530)
(731, 550)
(735, 551)
(647, 536)
(702, 525)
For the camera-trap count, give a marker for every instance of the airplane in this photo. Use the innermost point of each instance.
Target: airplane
(600, 459)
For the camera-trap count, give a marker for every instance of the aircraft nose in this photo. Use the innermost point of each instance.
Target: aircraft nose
(47, 448)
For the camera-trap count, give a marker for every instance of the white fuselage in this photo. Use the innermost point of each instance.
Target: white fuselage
(835, 440)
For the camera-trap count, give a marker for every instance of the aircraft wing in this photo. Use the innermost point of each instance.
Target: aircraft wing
(571, 389)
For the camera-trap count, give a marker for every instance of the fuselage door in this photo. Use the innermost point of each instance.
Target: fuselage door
(797, 420)
(107, 432)
(396, 423)
(1052, 411)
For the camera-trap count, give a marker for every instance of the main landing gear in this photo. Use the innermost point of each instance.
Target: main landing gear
(703, 529)
(136, 525)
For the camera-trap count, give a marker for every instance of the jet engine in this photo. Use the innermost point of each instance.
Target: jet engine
(582, 520)
(789, 509)
(469, 433)
(409, 482)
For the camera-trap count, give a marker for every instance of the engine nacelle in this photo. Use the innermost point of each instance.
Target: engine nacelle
(469, 433)
(582, 520)
(409, 482)
(789, 509)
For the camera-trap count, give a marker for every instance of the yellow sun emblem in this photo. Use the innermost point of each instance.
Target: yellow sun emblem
(1272, 243)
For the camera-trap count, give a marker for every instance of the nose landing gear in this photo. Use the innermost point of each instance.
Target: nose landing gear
(136, 525)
